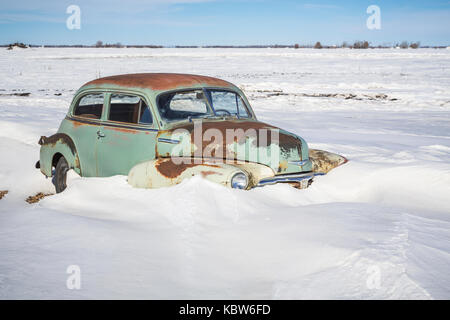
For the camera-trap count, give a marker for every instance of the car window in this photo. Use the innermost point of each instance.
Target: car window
(130, 109)
(90, 106)
(181, 105)
(228, 102)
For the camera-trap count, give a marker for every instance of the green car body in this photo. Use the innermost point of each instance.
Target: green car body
(161, 153)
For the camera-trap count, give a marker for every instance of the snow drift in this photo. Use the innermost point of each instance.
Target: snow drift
(375, 228)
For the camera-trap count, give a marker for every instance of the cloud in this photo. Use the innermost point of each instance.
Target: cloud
(54, 11)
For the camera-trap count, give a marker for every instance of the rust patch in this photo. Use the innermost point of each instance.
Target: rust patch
(282, 166)
(159, 81)
(37, 197)
(298, 185)
(77, 124)
(286, 142)
(3, 193)
(208, 173)
(124, 130)
(156, 144)
(227, 124)
(77, 163)
(171, 170)
(62, 137)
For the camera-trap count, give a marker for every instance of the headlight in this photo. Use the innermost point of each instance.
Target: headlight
(239, 181)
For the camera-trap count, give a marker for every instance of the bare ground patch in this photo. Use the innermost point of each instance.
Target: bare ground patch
(347, 96)
(18, 94)
(3, 193)
(37, 197)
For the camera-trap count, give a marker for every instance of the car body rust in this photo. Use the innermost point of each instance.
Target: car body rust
(170, 169)
(158, 81)
(241, 130)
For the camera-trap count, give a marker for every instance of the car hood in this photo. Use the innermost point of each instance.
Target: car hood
(236, 139)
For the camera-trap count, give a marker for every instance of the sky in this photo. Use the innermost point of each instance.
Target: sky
(223, 22)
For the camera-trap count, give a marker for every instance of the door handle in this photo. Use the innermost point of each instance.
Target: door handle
(100, 134)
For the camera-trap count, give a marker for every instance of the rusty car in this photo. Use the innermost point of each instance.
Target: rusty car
(161, 128)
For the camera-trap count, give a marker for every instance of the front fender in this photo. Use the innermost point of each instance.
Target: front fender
(164, 172)
(59, 143)
(324, 161)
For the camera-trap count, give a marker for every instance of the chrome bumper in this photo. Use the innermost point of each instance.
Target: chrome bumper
(302, 178)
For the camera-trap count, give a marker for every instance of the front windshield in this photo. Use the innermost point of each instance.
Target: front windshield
(199, 103)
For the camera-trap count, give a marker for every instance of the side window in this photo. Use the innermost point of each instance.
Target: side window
(90, 106)
(192, 101)
(129, 108)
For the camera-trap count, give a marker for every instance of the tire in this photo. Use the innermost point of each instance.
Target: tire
(61, 175)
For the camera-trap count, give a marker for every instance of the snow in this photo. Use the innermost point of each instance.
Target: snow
(385, 213)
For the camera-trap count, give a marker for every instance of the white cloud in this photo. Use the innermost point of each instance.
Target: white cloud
(55, 10)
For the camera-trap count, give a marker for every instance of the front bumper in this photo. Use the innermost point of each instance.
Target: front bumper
(303, 180)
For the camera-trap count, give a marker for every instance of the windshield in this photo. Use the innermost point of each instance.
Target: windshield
(201, 103)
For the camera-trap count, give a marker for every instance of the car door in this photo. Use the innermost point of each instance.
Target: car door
(127, 136)
(82, 125)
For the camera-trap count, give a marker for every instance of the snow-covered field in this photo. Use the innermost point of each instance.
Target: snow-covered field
(376, 227)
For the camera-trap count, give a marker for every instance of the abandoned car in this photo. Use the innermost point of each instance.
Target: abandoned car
(160, 128)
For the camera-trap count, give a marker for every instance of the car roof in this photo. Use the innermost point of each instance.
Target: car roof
(158, 81)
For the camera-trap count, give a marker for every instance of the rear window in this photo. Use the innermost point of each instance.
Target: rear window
(130, 109)
(90, 106)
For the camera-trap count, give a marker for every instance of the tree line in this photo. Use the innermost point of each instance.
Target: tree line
(318, 45)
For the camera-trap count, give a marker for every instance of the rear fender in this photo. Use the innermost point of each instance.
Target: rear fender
(57, 145)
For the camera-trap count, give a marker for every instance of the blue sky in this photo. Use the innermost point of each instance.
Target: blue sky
(222, 22)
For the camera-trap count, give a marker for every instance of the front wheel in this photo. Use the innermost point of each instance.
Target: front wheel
(61, 175)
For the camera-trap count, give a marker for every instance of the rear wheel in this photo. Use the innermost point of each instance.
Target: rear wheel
(61, 175)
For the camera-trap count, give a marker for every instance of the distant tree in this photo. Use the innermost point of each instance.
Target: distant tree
(318, 45)
(296, 46)
(18, 45)
(404, 45)
(99, 44)
(414, 45)
(361, 45)
(344, 44)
